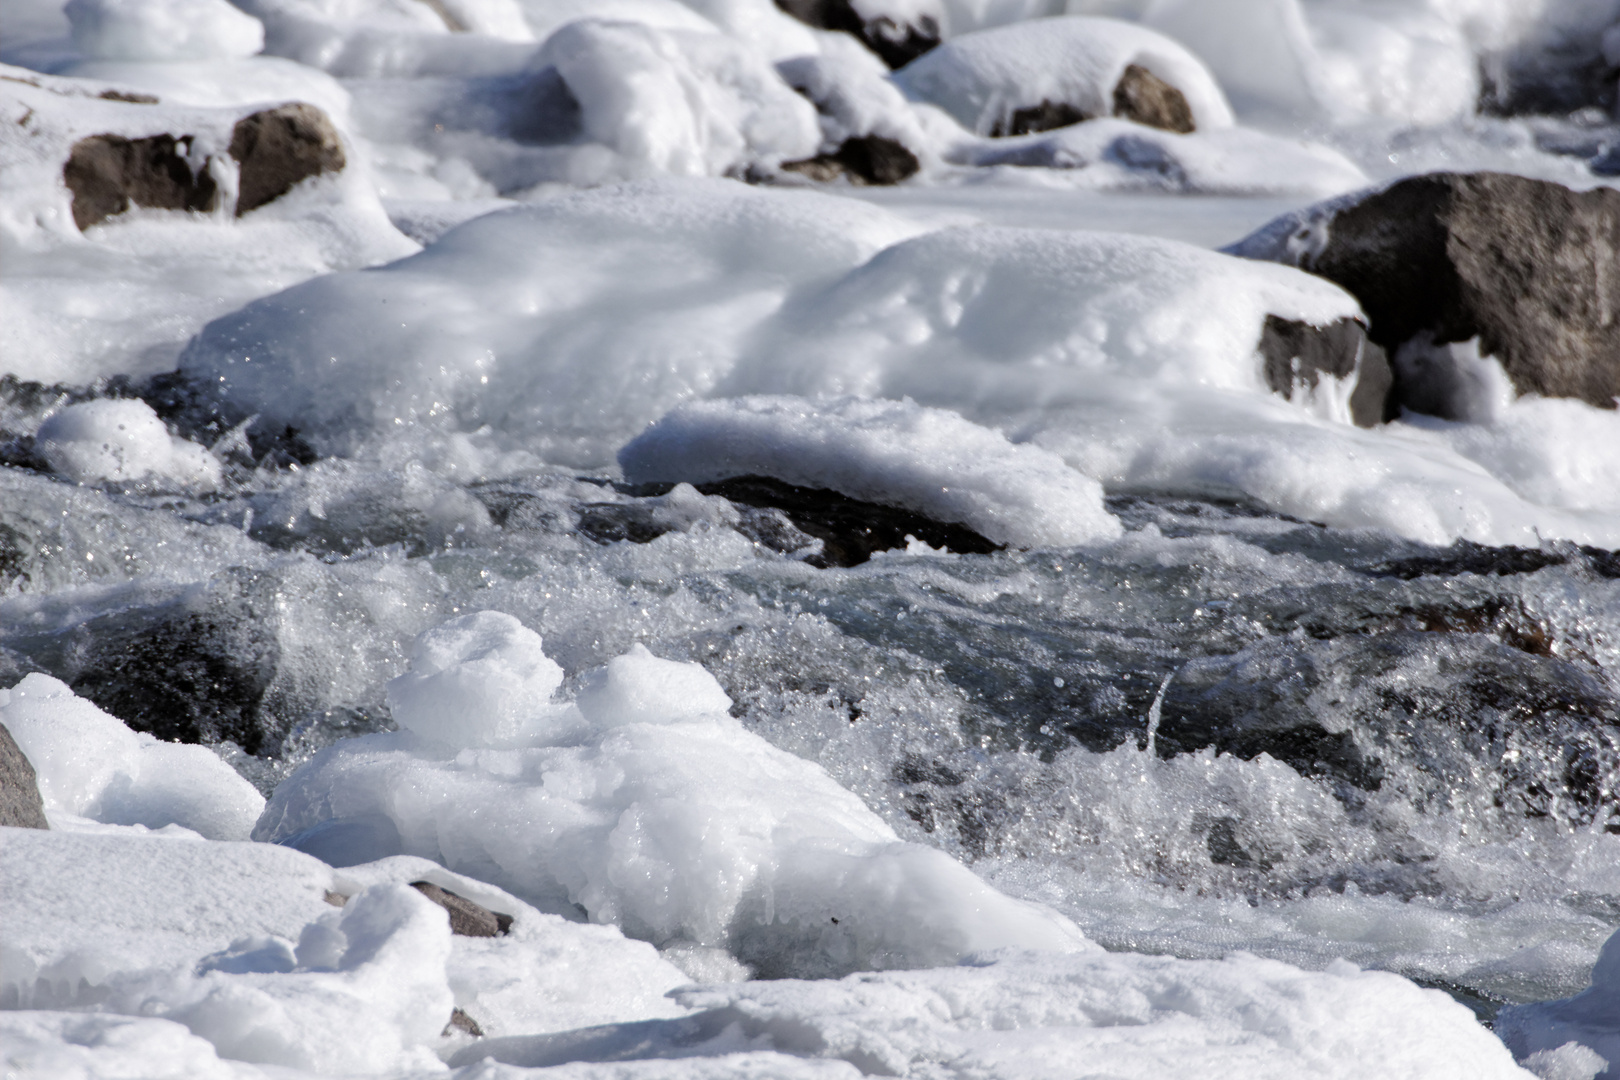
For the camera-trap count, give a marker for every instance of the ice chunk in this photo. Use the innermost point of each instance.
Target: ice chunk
(163, 29)
(121, 440)
(984, 78)
(689, 830)
(90, 765)
(897, 453)
(481, 680)
(1577, 1037)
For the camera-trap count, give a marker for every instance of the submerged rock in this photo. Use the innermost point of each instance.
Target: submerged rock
(864, 159)
(20, 803)
(108, 174)
(1524, 266)
(895, 37)
(1297, 353)
(279, 147)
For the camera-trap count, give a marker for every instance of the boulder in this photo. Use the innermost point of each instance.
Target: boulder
(276, 148)
(20, 804)
(1527, 267)
(1297, 354)
(1147, 99)
(896, 39)
(109, 173)
(466, 918)
(865, 159)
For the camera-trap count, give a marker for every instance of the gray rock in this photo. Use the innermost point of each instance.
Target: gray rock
(896, 40)
(1297, 353)
(20, 804)
(466, 918)
(108, 174)
(865, 159)
(279, 147)
(1528, 267)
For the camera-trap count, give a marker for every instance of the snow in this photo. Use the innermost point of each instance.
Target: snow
(981, 78)
(684, 829)
(90, 765)
(163, 29)
(897, 453)
(121, 440)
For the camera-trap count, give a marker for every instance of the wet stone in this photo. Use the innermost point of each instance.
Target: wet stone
(20, 803)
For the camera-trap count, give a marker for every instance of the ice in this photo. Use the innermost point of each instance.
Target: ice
(90, 765)
(120, 441)
(981, 78)
(686, 830)
(1578, 1037)
(163, 29)
(897, 453)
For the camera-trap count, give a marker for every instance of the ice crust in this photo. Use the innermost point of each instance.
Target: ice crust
(980, 78)
(650, 808)
(90, 765)
(899, 453)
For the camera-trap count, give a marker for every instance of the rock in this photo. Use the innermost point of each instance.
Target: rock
(1046, 116)
(850, 530)
(460, 1021)
(109, 173)
(20, 804)
(896, 40)
(1147, 99)
(467, 919)
(1298, 353)
(1528, 267)
(865, 159)
(278, 147)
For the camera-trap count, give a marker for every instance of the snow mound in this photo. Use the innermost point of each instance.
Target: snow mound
(90, 765)
(684, 829)
(1576, 1038)
(679, 102)
(121, 440)
(893, 452)
(980, 78)
(396, 38)
(157, 30)
(572, 323)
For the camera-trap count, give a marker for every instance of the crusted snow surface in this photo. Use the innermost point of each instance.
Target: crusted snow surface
(899, 453)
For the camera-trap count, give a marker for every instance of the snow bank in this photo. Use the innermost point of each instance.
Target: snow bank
(1332, 59)
(396, 38)
(1577, 1038)
(120, 440)
(896, 453)
(679, 102)
(657, 812)
(572, 323)
(1120, 154)
(163, 29)
(981, 78)
(90, 765)
(40, 1045)
(123, 298)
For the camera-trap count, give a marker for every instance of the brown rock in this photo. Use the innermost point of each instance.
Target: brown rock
(865, 159)
(109, 173)
(1147, 99)
(1297, 352)
(1043, 117)
(466, 918)
(279, 147)
(1529, 267)
(460, 1021)
(20, 804)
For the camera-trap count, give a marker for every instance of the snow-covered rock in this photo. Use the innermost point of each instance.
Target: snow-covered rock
(163, 29)
(120, 440)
